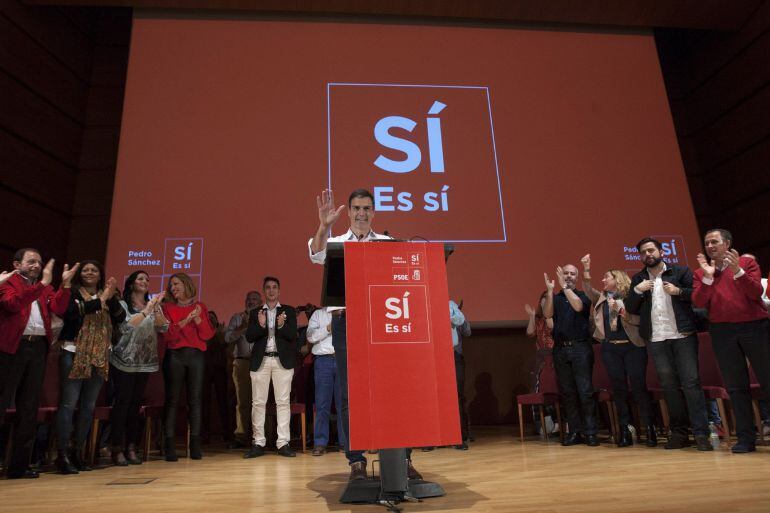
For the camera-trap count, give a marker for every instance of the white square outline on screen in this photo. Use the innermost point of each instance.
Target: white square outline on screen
(371, 311)
(329, 85)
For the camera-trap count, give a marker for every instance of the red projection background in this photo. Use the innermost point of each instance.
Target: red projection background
(525, 148)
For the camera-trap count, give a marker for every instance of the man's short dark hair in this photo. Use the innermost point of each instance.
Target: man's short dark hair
(19, 255)
(645, 241)
(271, 278)
(360, 193)
(726, 235)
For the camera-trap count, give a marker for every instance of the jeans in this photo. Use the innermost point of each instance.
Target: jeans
(624, 363)
(23, 374)
(574, 370)
(326, 386)
(125, 421)
(183, 365)
(72, 390)
(460, 376)
(733, 343)
(676, 362)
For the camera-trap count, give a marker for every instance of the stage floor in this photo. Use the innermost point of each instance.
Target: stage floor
(498, 474)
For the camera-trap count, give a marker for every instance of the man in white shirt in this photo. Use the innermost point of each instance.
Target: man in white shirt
(361, 215)
(319, 335)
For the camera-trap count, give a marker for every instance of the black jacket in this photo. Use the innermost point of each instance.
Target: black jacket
(285, 338)
(642, 304)
(78, 308)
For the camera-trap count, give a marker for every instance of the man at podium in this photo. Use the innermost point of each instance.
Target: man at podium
(361, 215)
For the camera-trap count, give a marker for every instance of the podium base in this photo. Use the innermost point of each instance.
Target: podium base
(369, 491)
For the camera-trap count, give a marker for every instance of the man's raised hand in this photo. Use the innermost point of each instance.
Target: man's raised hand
(708, 267)
(549, 284)
(327, 213)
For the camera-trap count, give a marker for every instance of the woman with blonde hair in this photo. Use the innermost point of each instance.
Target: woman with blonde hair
(188, 330)
(623, 350)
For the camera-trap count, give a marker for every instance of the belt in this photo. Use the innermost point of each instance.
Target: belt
(324, 355)
(272, 353)
(569, 343)
(624, 341)
(242, 358)
(33, 338)
(338, 313)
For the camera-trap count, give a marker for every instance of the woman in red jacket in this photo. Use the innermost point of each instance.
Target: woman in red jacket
(188, 330)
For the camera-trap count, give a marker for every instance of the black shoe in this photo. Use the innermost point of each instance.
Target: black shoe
(286, 451)
(462, 447)
(79, 462)
(573, 439)
(64, 465)
(428, 448)
(255, 451)
(743, 446)
(652, 436)
(677, 442)
(170, 449)
(358, 471)
(625, 439)
(592, 441)
(195, 448)
(703, 443)
(23, 474)
(411, 472)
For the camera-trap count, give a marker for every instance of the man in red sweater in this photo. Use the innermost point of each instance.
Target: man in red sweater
(26, 303)
(730, 287)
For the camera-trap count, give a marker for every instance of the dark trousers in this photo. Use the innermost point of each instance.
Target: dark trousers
(183, 366)
(215, 376)
(340, 343)
(733, 343)
(574, 370)
(676, 362)
(74, 391)
(23, 374)
(460, 376)
(628, 363)
(125, 421)
(327, 386)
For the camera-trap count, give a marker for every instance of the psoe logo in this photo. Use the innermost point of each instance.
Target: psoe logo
(399, 314)
(427, 153)
(672, 250)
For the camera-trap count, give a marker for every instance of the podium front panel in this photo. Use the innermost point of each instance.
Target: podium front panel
(401, 377)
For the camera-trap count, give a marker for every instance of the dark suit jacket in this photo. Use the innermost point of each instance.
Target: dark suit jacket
(285, 338)
(641, 304)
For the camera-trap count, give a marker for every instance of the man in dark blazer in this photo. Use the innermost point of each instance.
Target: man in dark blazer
(272, 332)
(661, 295)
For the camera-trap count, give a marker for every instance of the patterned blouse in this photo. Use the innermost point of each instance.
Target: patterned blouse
(137, 349)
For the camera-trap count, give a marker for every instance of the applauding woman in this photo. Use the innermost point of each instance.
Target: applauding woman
(188, 330)
(84, 359)
(623, 349)
(134, 357)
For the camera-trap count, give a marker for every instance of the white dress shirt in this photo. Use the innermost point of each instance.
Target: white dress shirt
(318, 334)
(35, 325)
(662, 315)
(271, 347)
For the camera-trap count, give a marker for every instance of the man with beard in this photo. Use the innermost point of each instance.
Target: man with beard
(661, 295)
(573, 356)
(26, 303)
(730, 287)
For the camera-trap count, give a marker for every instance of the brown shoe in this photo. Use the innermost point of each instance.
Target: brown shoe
(411, 472)
(358, 471)
(319, 450)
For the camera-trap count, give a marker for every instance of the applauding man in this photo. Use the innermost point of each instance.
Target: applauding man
(660, 295)
(27, 300)
(730, 287)
(273, 332)
(573, 356)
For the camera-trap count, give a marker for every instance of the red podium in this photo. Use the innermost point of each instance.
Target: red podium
(401, 377)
